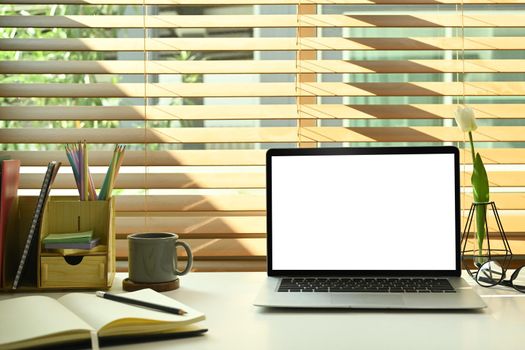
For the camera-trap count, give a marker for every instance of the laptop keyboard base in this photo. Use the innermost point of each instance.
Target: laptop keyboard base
(365, 285)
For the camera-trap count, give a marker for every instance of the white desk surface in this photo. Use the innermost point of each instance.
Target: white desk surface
(234, 323)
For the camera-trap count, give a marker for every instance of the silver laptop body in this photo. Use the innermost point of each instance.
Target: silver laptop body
(353, 227)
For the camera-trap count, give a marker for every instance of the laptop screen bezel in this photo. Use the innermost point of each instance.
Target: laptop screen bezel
(283, 152)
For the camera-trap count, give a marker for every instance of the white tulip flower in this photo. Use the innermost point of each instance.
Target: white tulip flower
(465, 119)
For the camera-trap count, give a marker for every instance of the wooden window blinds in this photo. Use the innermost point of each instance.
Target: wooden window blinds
(198, 89)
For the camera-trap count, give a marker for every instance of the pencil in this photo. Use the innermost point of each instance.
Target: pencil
(86, 170)
(103, 195)
(121, 299)
(81, 170)
(114, 172)
(74, 167)
(90, 191)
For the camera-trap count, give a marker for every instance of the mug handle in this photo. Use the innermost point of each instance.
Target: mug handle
(189, 264)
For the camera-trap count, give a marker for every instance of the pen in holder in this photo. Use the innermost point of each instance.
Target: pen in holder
(77, 155)
(77, 236)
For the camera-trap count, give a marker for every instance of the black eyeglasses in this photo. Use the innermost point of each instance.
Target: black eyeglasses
(491, 273)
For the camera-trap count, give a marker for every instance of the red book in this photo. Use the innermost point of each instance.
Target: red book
(8, 192)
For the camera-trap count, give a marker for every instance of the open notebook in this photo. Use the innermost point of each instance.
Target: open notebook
(39, 320)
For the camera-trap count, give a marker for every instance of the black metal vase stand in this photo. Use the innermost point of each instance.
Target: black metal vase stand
(491, 248)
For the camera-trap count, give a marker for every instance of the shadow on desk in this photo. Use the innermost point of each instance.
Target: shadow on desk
(126, 340)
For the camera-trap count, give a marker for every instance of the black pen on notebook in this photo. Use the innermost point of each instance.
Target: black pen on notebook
(121, 299)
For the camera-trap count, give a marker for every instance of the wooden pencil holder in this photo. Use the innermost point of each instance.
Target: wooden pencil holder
(82, 269)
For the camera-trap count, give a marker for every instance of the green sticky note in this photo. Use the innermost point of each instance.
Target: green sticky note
(70, 237)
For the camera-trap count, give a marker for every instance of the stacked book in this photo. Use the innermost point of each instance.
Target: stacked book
(74, 240)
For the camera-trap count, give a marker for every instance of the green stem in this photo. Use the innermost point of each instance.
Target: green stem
(472, 146)
(481, 212)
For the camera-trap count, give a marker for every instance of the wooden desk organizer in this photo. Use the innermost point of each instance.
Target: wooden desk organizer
(91, 269)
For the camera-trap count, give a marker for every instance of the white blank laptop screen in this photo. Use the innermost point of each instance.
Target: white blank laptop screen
(363, 212)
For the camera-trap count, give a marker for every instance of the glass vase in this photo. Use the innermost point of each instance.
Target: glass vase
(483, 236)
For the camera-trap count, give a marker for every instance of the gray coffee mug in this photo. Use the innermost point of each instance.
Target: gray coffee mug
(153, 257)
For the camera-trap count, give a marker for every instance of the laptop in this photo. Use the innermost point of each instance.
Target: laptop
(375, 227)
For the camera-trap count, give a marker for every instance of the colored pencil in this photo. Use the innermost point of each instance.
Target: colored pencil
(115, 170)
(111, 175)
(105, 185)
(72, 161)
(78, 159)
(85, 169)
(77, 155)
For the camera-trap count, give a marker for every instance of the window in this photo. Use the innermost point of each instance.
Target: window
(197, 90)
